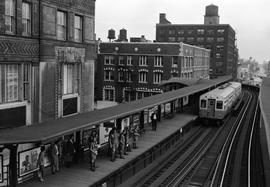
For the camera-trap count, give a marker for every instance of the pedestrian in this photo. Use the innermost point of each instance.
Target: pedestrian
(126, 140)
(60, 145)
(112, 144)
(135, 136)
(121, 144)
(116, 142)
(70, 151)
(93, 152)
(40, 163)
(55, 157)
(154, 121)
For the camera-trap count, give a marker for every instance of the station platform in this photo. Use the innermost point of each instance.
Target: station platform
(79, 175)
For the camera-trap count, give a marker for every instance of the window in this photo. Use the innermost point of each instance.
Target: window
(181, 39)
(121, 76)
(61, 25)
(129, 60)
(108, 60)
(200, 31)
(78, 28)
(12, 78)
(70, 78)
(157, 78)
(218, 55)
(211, 31)
(121, 60)
(180, 32)
(128, 76)
(9, 76)
(190, 31)
(174, 62)
(143, 77)
(209, 39)
(220, 39)
(219, 104)
(142, 61)
(171, 39)
(10, 16)
(220, 47)
(26, 19)
(174, 74)
(190, 39)
(171, 32)
(203, 103)
(108, 75)
(158, 61)
(200, 39)
(108, 94)
(220, 31)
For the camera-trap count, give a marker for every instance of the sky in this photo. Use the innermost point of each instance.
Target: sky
(249, 18)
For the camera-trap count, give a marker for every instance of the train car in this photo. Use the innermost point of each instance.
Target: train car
(216, 104)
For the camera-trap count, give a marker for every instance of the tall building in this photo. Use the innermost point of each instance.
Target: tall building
(47, 53)
(132, 70)
(219, 38)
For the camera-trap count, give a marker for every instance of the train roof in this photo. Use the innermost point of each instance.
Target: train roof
(222, 91)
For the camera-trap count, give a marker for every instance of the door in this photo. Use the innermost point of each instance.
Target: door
(211, 108)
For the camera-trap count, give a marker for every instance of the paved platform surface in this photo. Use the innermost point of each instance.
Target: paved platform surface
(79, 175)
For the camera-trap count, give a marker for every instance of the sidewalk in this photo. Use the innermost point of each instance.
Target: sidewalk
(79, 175)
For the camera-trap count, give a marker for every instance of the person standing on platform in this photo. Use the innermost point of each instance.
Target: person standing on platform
(112, 144)
(93, 153)
(55, 157)
(135, 135)
(121, 144)
(41, 163)
(126, 140)
(116, 142)
(154, 121)
(70, 150)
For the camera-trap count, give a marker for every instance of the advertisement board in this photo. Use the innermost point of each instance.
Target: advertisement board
(125, 123)
(1, 169)
(28, 161)
(85, 136)
(167, 108)
(104, 131)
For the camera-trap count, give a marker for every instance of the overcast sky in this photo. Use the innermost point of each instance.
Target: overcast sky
(249, 18)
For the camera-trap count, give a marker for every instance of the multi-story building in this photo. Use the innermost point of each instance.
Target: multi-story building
(220, 38)
(47, 53)
(132, 70)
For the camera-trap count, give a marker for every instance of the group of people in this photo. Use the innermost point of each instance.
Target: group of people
(121, 142)
(66, 152)
(59, 153)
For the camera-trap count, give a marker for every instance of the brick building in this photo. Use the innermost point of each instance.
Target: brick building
(132, 70)
(220, 38)
(47, 53)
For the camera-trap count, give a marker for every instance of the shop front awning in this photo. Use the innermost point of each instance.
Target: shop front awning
(46, 131)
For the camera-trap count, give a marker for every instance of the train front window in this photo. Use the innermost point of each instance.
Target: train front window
(219, 104)
(203, 103)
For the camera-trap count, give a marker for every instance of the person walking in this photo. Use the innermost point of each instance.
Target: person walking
(93, 153)
(41, 163)
(55, 157)
(126, 140)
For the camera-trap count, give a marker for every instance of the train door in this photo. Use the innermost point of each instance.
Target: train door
(211, 108)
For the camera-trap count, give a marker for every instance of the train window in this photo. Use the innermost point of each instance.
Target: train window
(219, 104)
(203, 103)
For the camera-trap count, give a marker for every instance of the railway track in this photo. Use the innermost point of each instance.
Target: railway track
(232, 167)
(192, 167)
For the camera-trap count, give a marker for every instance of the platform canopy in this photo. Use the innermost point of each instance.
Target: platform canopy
(184, 81)
(46, 131)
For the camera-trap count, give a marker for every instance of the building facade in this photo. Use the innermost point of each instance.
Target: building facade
(47, 53)
(219, 38)
(47, 57)
(129, 71)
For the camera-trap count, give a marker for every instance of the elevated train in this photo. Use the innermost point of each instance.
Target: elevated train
(216, 104)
